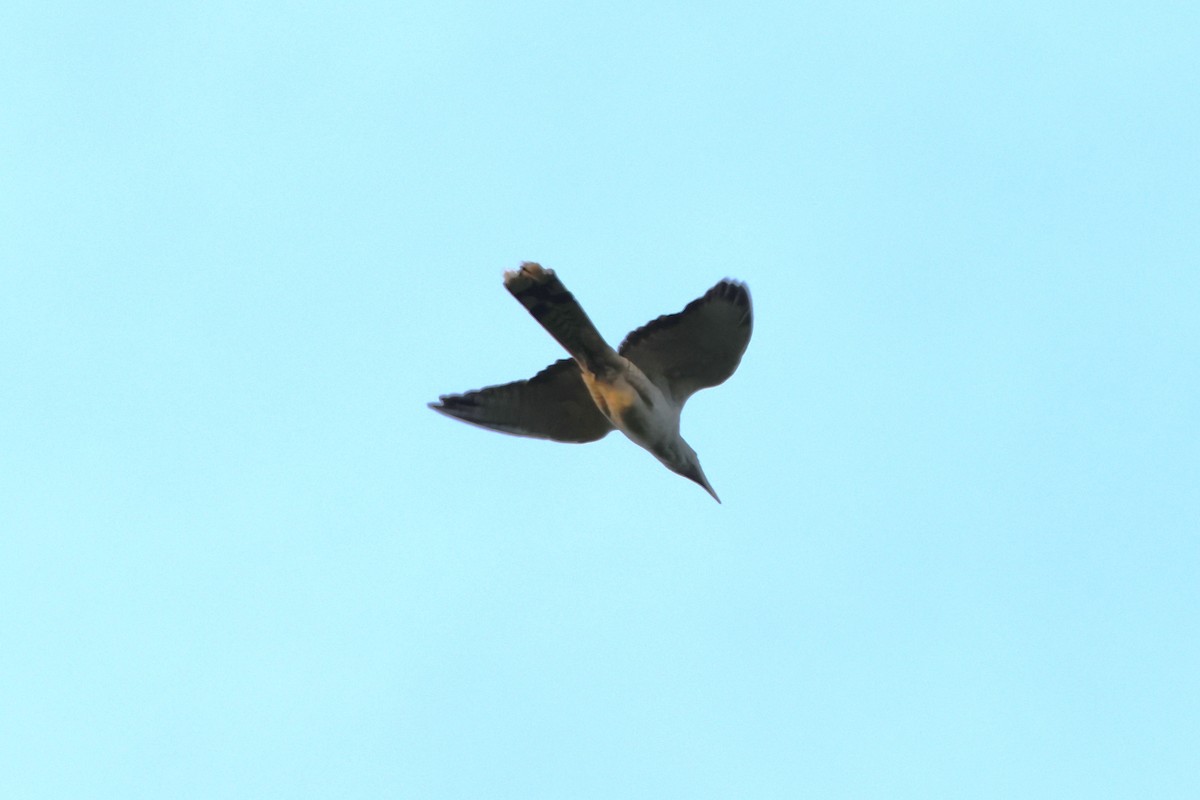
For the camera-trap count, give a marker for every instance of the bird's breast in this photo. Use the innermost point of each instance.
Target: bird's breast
(633, 406)
(614, 398)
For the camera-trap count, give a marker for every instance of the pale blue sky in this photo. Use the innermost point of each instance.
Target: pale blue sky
(241, 246)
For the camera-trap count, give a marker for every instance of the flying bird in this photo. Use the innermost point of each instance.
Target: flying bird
(639, 388)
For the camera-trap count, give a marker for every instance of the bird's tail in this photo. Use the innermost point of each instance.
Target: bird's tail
(557, 310)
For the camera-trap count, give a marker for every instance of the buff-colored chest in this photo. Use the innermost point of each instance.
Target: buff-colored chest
(634, 406)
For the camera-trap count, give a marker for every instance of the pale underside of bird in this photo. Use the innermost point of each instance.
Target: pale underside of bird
(639, 388)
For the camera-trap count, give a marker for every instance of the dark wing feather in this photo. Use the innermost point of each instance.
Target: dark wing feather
(554, 404)
(699, 347)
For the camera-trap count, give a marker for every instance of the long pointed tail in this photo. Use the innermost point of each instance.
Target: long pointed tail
(557, 310)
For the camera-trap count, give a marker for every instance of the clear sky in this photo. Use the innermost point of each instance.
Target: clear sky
(243, 245)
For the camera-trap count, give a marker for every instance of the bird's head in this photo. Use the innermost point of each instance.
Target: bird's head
(682, 459)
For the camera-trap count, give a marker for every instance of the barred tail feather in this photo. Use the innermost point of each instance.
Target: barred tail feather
(557, 310)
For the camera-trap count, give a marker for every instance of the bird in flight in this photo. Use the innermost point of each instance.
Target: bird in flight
(639, 388)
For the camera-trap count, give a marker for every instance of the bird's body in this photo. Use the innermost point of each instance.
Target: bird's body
(634, 405)
(638, 389)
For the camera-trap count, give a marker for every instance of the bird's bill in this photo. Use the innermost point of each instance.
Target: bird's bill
(698, 477)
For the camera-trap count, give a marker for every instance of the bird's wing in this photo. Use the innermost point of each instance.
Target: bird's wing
(554, 404)
(697, 348)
